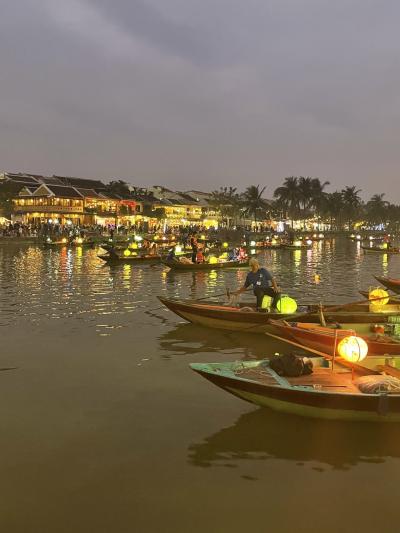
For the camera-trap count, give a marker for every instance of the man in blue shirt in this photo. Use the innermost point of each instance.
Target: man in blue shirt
(263, 283)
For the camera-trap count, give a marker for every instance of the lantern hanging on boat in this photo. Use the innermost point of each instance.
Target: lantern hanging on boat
(273, 241)
(252, 243)
(224, 255)
(178, 249)
(127, 252)
(213, 260)
(353, 349)
(225, 245)
(133, 246)
(309, 241)
(286, 305)
(378, 297)
(64, 240)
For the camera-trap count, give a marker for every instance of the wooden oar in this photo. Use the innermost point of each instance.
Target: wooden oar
(338, 360)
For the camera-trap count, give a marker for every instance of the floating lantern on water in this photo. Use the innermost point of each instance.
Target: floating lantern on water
(252, 243)
(213, 260)
(353, 349)
(286, 305)
(127, 252)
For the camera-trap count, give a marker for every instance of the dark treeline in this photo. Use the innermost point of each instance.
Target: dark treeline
(302, 198)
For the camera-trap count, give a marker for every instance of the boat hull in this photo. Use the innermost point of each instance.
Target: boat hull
(300, 401)
(177, 265)
(233, 319)
(389, 283)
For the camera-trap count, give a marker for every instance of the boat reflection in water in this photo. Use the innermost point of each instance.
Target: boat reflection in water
(264, 434)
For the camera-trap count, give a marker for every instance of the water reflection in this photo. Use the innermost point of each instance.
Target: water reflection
(262, 435)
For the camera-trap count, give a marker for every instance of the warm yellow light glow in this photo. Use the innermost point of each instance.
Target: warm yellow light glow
(273, 241)
(64, 240)
(309, 241)
(178, 249)
(321, 235)
(138, 238)
(133, 246)
(213, 260)
(358, 237)
(223, 256)
(383, 296)
(203, 237)
(286, 305)
(297, 243)
(252, 251)
(385, 245)
(79, 240)
(353, 349)
(225, 244)
(127, 252)
(266, 302)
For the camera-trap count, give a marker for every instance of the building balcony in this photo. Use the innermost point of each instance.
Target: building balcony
(62, 209)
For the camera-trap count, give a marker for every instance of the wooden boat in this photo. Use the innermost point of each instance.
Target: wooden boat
(380, 250)
(292, 246)
(325, 339)
(390, 283)
(60, 242)
(326, 393)
(246, 319)
(392, 300)
(131, 259)
(178, 265)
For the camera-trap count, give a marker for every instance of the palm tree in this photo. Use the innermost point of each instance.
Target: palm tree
(376, 209)
(253, 202)
(317, 193)
(288, 196)
(227, 201)
(332, 207)
(352, 203)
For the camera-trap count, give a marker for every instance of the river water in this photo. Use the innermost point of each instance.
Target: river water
(105, 428)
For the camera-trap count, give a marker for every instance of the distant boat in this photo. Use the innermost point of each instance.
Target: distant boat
(380, 250)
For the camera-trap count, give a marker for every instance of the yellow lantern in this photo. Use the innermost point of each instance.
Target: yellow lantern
(134, 253)
(309, 241)
(385, 245)
(223, 256)
(353, 349)
(203, 237)
(213, 260)
(286, 305)
(273, 241)
(374, 294)
(64, 240)
(178, 249)
(133, 246)
(266, 302)
(225, 244)
(297, 243)
(252, 243)
(127, 252)
(79, 240)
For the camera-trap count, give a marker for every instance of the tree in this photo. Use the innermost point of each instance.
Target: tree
(118, 188)
(332, 207)
(376, 209)
(253, 202)
(228, 202)
(351, 204)
(288, 197)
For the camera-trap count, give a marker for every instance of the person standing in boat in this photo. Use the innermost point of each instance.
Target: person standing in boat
(263, 284)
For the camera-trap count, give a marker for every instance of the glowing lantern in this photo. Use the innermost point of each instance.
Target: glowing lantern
(133, 246)
(134, 253)
(266, 302)
(315, 236)
(317, 278)
(225, 244)
(385, 245)
(178, 249)
(213, 260)
(273, 241)
(173, 238)
(127, 252)
(64, 240)
(353, 349)
(352, 236)
(358, 237)
(138, 238)
(156, 238)
(297, 243)
(374, 294)
(252, 251)
(48, 239)
(203, 237)
(371, 238)
(79, 240)
(309, 241)
(286, 305)
(321, 235)
(223, 256)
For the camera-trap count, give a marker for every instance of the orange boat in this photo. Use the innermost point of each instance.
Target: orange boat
(324, 339)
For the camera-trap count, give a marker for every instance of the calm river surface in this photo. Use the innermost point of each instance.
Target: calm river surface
(104, 428)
